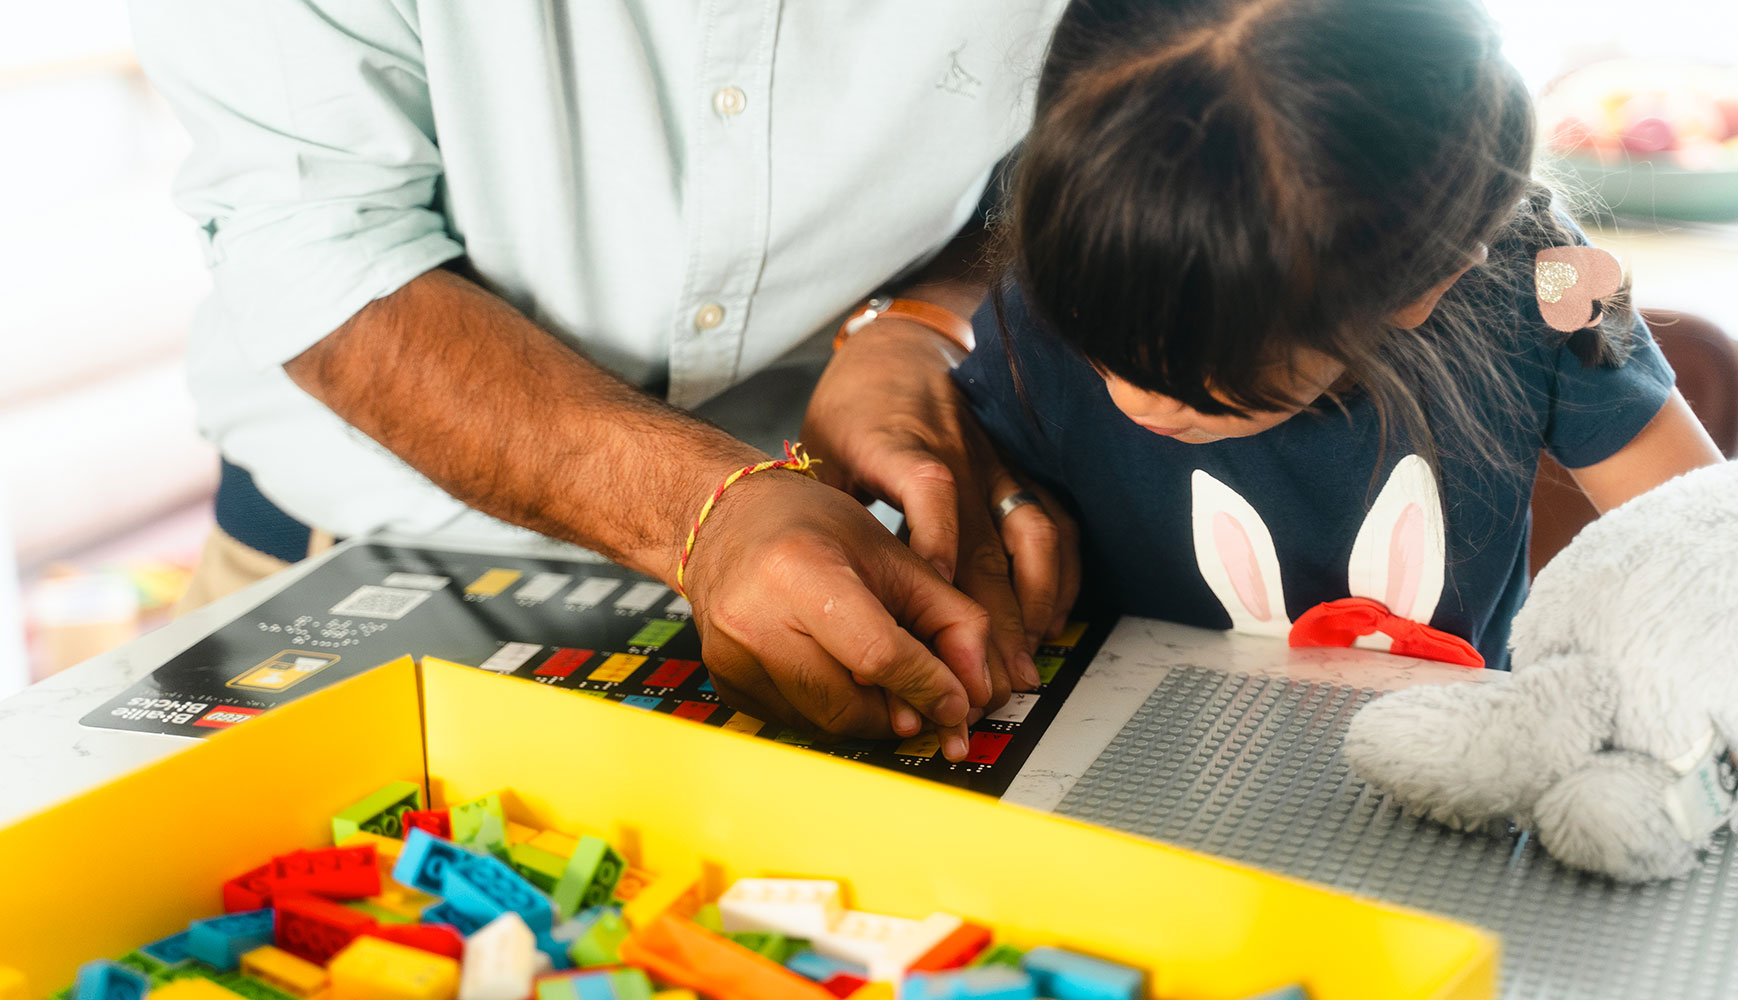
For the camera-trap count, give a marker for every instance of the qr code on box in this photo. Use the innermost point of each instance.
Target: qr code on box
(369, 601)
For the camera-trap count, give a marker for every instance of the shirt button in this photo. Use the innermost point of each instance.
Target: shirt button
(708, 316)
(729, 101)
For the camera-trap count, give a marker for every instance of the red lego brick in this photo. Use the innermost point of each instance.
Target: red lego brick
(436, 821)
(249, 891)
(332, 872)
(316, 929)
(671, 673)
(439, 939)
(843, 984)
(956, 950)
(699, 711)
(984, 748)
(564, 662)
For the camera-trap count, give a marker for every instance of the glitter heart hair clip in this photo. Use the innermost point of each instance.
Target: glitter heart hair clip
(1570, 281)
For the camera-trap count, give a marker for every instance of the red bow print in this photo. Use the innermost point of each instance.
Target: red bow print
(1340, 623)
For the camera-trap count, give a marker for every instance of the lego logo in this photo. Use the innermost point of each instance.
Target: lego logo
(224, 716)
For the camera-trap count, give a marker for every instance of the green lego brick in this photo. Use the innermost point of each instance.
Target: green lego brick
(588, 878)
(539, 867)
(1047, 667)
(709, 917)
(771, 944)
(481, 823)
(999, 954)
(66, 994)
(381, 813)
(143, 964)
(380, 914)
(655, 633)
(601, 941)
(630, 984)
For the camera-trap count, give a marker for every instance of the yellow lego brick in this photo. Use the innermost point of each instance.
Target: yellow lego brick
(519, 833)
(283, 971)
(492, 582)
(402, 900)
(555, 842)
(619, 667)
(385, 848)
(11, 984)
(193, 988)
(675, 995)
(672, 892)
(873, 991)
(743, 723)
(1070, 636)
(921, 745)
(371, 969)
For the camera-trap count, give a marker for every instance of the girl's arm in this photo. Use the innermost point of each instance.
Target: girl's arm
(1673, 443)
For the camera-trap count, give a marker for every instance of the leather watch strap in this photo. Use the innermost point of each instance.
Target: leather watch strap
(943, 321)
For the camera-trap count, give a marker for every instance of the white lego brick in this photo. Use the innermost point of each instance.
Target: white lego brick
(903, 950)
(861, 937)
(794, 907)
(500, 961)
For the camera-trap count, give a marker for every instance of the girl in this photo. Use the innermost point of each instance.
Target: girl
(1273, 329)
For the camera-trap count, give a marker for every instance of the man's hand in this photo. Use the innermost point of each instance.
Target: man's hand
(796, 587)
(889, 424)
(797, 591)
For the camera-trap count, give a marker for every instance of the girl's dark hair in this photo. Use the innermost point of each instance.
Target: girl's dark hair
(1212, 185)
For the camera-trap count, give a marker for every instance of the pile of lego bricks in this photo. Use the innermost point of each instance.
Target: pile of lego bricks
(466, 904)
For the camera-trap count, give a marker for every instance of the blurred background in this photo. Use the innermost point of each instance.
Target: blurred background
(105, 484)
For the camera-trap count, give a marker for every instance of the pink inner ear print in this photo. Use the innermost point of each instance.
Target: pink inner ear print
(1406, 557)
(1238, 557)
(1568, 279)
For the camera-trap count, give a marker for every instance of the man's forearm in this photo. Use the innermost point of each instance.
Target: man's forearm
(506, 418)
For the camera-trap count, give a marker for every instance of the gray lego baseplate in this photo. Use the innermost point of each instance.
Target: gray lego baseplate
(1248, 767)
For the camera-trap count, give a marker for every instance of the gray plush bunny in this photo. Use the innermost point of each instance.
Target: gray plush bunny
(1613, 740)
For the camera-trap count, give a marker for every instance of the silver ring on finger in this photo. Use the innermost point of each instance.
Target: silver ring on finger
(1012, 502)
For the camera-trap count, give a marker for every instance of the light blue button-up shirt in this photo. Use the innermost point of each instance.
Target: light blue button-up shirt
(681, 189)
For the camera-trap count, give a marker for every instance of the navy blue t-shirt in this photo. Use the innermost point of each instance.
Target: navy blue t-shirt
(1252, 532)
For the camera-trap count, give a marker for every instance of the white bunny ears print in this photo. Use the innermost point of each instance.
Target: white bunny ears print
(1395, 572)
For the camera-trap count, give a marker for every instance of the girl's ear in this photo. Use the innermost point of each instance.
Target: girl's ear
(1400, 552)
(1236, 556)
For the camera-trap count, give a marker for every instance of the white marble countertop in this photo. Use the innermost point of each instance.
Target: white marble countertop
(46, 756)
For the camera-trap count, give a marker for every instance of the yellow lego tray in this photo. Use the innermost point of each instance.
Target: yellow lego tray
(136, 859)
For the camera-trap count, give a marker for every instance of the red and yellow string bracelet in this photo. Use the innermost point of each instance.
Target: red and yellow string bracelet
(795, 460)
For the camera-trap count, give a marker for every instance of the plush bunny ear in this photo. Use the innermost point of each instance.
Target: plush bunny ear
(1399, 554)
(1235, 553)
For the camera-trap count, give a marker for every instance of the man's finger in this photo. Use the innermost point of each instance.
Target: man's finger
(1034, 545)
(956, 627)
(854, 627)
(923, 488)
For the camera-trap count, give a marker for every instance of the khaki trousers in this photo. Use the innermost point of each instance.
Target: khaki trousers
(226, 566)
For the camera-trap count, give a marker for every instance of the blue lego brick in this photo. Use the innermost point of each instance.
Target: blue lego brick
(642, 701)
(619, 984)
(486, 887)
(109, 981)
(820, 968)
(423, 861)
(171, 950)
(459, 920)
(987, 983)
(1292, 992)
(221, 941)
(707, 687)
(556, 951)
(1065, 975)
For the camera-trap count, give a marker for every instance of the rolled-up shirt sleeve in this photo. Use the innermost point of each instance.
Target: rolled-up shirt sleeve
(314, 169)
